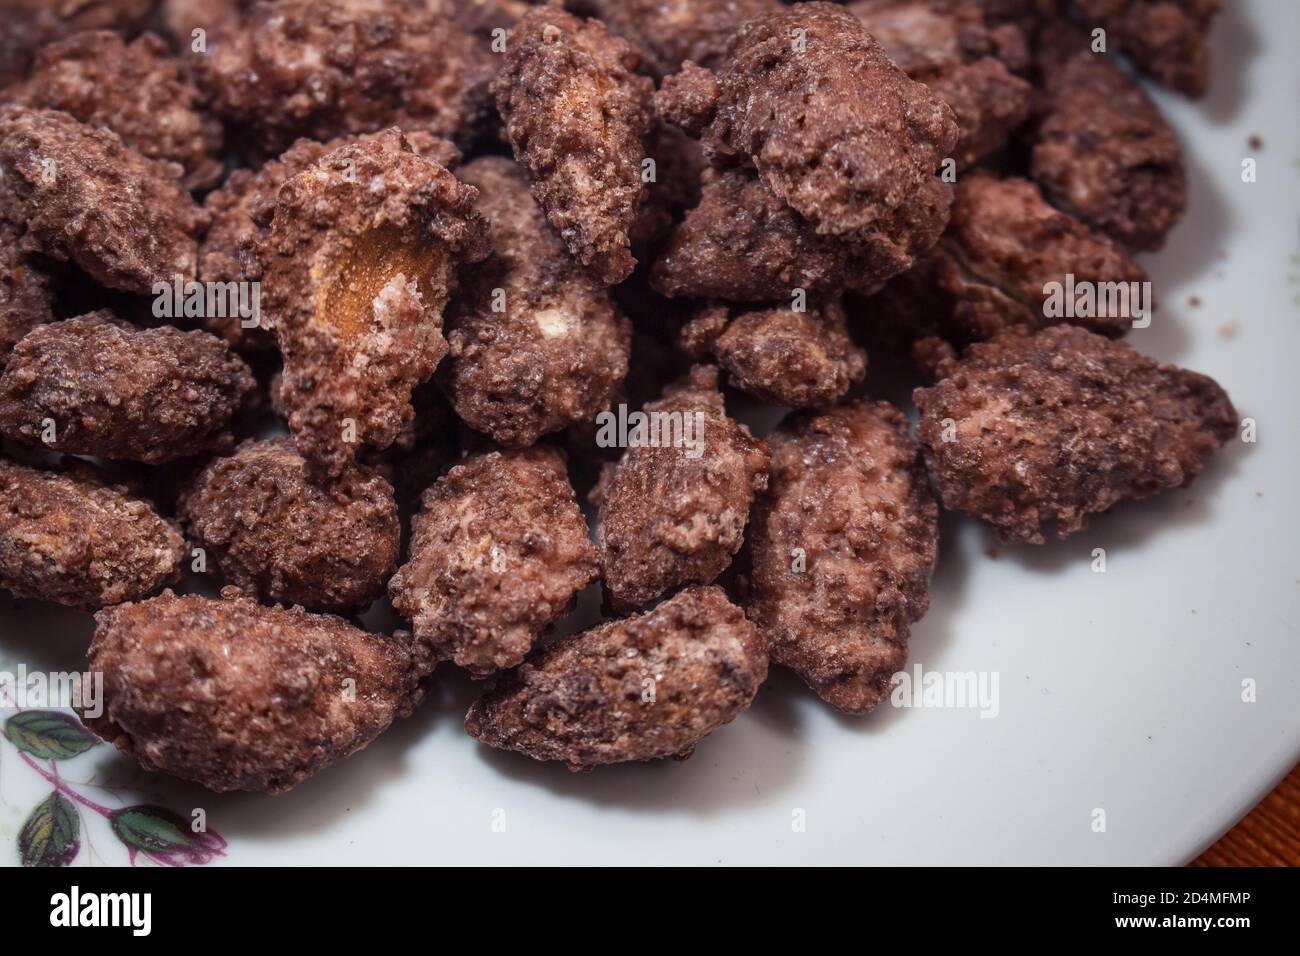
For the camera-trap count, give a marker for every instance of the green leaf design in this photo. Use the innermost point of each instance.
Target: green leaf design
(50, 837)
(49, 734)
(164, 835)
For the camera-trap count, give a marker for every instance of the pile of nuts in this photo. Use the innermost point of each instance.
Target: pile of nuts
(480, 256)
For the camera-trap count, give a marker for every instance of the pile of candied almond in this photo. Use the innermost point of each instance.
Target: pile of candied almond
(453, 247)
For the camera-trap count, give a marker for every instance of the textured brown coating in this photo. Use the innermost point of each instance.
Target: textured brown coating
(577, 116)
(742, 244)
(554, 349)
(179, 19)
(1031, 432)
(84, 195)
(653, 363)
(1027, 15)
(1102, 151)
(947, 45)
(424, 448)
(699, 330)
(236, 696)
(1003, 255)
(326, 68)
(95, 386)
(842, 546)
(72, 539)
(499, 550)
(989, 102)
(274, 532)
(833, 127)
(791, 358)
(137, 90)
(927, 37)
(649, 686)
(673, 31)
(359, 263)
(1166, 38)
(673, 510)
(481, 17)
(25, 293)
(242, 210)
(30, 24)
(229, 249)
(679, 164)
(243, 207)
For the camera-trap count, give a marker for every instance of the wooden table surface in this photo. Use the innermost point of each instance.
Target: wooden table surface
(1268, 836)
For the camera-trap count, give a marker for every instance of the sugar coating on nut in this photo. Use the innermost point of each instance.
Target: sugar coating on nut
(1031, 433)
(360, 261)
(800, 359)
(1027, 15)
(673, 509)
(1167, 39)
(697, 333)
(679, 165)
(275, 532)
(928, 37)
(25, 294)
(833, 127)
(30, 24)
(178, 20)
(234, 695)
(424, 448)
(1009, 259)
(577, 116)
(95, 386)
(85, 196)
(70, 538)
(652, 365)
(950, 47)
(481, 17)
(499, 551)
(242, 210)
(326, 68)
(672, 32)
(842, 546)
(1102, 151)
(536, 343)
(743, 244)
(135, 89)
(649, 686)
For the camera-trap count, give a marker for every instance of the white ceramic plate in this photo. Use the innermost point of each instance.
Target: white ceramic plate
(1119, 691)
